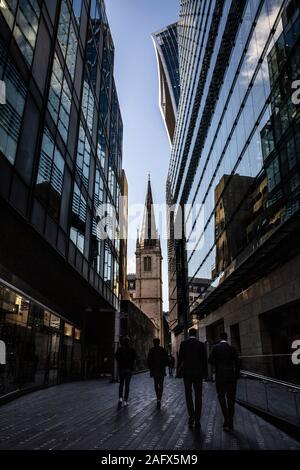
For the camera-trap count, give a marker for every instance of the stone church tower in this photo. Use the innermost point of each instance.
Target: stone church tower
(148, 288)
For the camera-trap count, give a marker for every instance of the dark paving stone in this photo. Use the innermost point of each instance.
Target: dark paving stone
(84, 415)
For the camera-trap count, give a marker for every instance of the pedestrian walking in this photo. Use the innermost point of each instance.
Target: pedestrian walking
(192, 366)
(171, 364)
(104, 367)
(158, 360)
(225, 359)
(126, 357)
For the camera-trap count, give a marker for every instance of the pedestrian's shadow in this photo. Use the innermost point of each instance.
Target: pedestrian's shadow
(244, 441)
(195, 439)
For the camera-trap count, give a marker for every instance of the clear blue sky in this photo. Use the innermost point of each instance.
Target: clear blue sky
(146, 147)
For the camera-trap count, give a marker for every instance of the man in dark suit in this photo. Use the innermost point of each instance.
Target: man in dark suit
(224, 358)
(192, 366)
(158, 360)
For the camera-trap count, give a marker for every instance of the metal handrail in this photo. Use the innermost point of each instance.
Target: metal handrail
(269, 379)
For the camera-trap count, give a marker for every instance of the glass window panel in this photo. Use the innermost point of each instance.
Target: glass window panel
(68, 330)
(12, 112)
(54, 321)
(77, 5)
(79, 215)
(8, 9)
(88, 104)
(72, 51)
(63, 27)
(83, 156)
(59, 103)
(26, 27)
(49, 182)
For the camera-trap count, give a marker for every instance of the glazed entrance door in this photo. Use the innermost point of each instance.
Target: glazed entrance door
(54, 343)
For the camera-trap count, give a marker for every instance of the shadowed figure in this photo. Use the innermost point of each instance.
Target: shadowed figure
(158, 360)
(126, 357)
(192, 366)
(224, 358)
(171, 364)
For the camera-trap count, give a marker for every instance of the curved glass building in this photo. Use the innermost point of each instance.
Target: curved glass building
(166, 46)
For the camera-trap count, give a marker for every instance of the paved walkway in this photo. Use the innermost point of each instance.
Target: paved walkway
(84, 415)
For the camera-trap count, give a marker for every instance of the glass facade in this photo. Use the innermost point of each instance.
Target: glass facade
(97, 144)
(12, 113)
(235, 154)
(61, 135)
(22, 18)
(41, 348)
(167, 42)
(166, 46)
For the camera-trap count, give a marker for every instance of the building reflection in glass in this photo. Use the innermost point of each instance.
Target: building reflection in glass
(41, 349)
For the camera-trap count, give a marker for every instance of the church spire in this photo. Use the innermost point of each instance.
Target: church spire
(149, 232)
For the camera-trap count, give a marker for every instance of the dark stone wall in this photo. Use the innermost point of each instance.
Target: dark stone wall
(141, 331)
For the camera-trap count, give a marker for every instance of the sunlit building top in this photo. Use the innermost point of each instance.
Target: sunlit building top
(166, 46)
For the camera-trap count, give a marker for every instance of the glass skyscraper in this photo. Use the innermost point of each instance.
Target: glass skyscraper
(61, 137)
(166, 46)
(235, 169)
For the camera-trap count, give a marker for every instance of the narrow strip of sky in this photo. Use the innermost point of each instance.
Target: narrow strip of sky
(146, 147)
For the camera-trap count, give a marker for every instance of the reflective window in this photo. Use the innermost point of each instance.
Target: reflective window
(98, 230)
(32, 336)
(116, 278)
(8, 10)
(102, 146)
(108, 260)
(77, 6)
(98, 10)
(88, 104)
(273, 173)
(50, 177)
(11, 113)
(59, 103)
(26, 27)
(67, 38)
(99, 189)
(83, 156)
(112, 183)
(79, 215)
(92, 50)
(24, 17)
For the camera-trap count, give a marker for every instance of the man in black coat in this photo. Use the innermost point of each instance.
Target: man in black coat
(192, 366)
(158, 360)
(224, 358)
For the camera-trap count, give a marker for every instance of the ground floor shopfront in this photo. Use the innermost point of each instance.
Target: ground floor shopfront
(41, 348)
